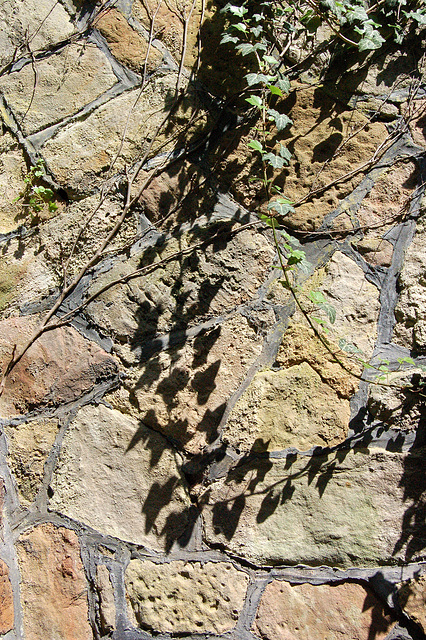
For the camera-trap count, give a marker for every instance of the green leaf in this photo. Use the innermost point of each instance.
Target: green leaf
(255, 144)
(240, 26)
(317, 297)
(245, 48)
(285, 153)
(258, 78)
(275, 90)
(256, 31)
(274, 161)
(296, 256)
(270, 60)
(330, 311)
(282, 208)
(228, 38)
(255, 101)
(234, 9)
(418, 16)
(267, 220)
(281, 120)
(348, 347)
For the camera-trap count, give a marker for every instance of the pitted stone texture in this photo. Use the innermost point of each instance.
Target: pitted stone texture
(59, 367)
(24, 276)
(106, 599)
(412, 598)
(356, 302)
(396, 405)
(120, 478)
(386, 204)
(410, 312)
(348, 508)
(417, 121)
(78, 154)
(321, 125)
(183, 597)
(66, 82)
(183, 392)
(326, 612)
(6, 599)
(12, 172)
(169, 24)
(289, 408)
(299, 344)
(42, 22)
(2, 494)
(29, 444)
(182, 292)
(57, 237)
(126, 45)
(53, 585)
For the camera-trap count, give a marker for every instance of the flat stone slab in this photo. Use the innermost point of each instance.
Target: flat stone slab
(53, 585)
(183, 597)
(326, 612)
(66, 82)
(351, 508)
(120, 478)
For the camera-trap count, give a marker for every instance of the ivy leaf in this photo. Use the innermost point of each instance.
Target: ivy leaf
(348, 347)
(317, 297)
(255, 144)
(255, 101)
(285, 154)
(275, 161)
(240, 26)
(296, 256)
(234, 9)
(419, 16)
(356, 13)
(258, 78)
(270, 60)
(281, 120)
(330, 311)
(276, 91)
(282, 208)
(245, 48)
(256, 31)
(268, 220)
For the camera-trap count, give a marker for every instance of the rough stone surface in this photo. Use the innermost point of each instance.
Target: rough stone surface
(126, 44)
(180, 293)
(2, 492)
(29, 444)
(12, 172)
(326, 612)
(43, 22)
(410, 313)
(106, 597)
(356, 302)
(66, 81)
(168, 23)
(289, 408)
(412, 598)
(120, 478)
(59, 367)
(179, 597)
(6, 599)
(396, 405)
(78, 154)
(53, 585)
(342, 510)
(299, 345)
(183, 393)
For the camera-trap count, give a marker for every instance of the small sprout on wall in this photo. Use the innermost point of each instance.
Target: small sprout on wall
(35, 196)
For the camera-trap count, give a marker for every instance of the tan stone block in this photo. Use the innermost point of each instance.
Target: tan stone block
(288, 408)
(412, 598)
(59, 367)
(106, 598)
(6, 599)
(65, 83)
(53, 585)
(326, 612)
(29, 444)
(120, 478)
(345, 509)
(126, 44)
(183, 597)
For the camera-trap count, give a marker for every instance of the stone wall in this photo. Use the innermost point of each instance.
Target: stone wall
(180, 454)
